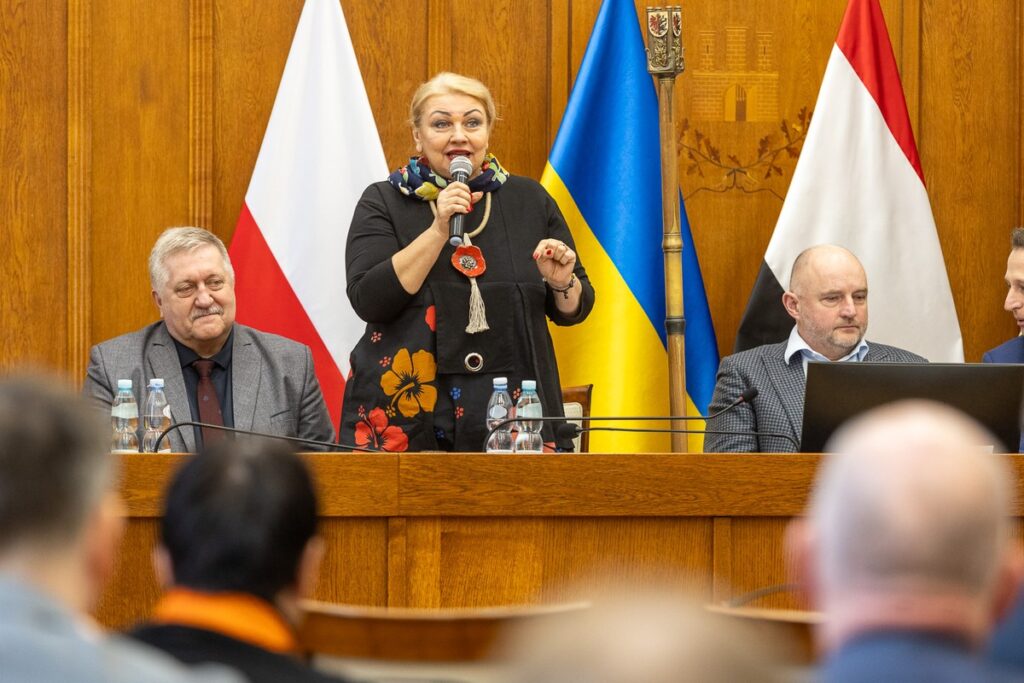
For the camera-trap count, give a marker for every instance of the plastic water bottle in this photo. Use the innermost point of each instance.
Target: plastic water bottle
(124, 419)
(156, 418)
(529, 439)
(500, 408)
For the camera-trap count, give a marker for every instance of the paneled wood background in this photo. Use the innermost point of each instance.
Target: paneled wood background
(119, 118)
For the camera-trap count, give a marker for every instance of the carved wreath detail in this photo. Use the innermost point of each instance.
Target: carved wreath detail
(706, 159)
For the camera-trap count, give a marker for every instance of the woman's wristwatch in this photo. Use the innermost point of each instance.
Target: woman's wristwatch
(564, 291)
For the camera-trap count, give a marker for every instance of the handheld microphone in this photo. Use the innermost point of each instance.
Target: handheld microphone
(570, 431)
(247, 432)
(748, 395)
(459, 170)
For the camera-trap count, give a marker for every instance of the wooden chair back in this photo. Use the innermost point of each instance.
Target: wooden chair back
(414, 635)
(576, 403)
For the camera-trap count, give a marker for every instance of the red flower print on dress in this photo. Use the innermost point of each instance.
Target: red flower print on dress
(431, 318)
(373, 431)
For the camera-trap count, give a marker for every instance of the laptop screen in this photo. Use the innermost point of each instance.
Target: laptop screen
(991, 393)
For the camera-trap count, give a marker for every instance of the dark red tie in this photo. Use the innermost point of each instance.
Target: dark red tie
(209, 404)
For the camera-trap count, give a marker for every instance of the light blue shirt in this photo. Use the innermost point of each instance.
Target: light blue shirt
(797, 345)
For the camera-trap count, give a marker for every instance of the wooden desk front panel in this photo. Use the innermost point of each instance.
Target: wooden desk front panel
(437, 530)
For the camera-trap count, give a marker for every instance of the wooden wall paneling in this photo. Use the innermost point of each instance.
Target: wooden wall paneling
(140, 151)
(200, 113)
(1019, 117)
(560, 57)
(970, 122)
(908, 58)
(251, 40)
(79, 160)
(440, 36)
(777, 50)
(33, 193)
(395, 56)
(515, 67)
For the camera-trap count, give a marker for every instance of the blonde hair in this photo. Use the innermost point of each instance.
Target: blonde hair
(448, 83)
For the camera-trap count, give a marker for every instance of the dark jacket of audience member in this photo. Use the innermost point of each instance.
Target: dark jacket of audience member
(239, 548)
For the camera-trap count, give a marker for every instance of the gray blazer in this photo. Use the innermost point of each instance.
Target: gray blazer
(42, 642)
(274, 388)
(779, 405)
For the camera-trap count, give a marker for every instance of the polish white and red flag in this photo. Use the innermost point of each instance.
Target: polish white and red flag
(319, 152)
(859, 184)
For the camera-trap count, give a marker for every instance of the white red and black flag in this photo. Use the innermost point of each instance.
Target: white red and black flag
(859, 184)
(319, 152)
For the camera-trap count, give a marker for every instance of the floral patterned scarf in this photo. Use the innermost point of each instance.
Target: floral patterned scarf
(417, 179)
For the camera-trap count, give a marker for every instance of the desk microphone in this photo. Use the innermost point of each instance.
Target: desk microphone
(748, 395)
(459, 169)
(570, 431)
(247, 432)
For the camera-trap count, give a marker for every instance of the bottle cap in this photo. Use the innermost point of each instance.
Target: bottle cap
(156, 383)
(500, 382)
(529, 385)
(124, 384)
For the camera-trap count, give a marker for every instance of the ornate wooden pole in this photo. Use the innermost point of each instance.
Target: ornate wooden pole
(665, 62)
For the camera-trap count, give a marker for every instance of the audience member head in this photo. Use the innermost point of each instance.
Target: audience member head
(828, 298)
(908, 526)
(1015, 277)
(241, 517)
(60, 519)
(656, 637)
(194, 288)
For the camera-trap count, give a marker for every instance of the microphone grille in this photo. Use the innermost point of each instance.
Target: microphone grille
(460, 164)
(749, 394)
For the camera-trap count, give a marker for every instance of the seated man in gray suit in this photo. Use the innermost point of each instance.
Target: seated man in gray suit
(828, 299)
(60, 522)
(214, 370)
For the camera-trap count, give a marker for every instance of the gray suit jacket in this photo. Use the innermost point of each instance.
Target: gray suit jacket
(779, 405)
(274, 388)
(41, 642)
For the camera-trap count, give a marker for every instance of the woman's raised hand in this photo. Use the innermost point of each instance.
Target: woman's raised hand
(555, 261)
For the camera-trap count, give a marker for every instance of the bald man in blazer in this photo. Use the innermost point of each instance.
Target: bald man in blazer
(262, 382)
(828, 300)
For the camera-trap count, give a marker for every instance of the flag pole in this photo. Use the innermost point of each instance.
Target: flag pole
(665, 63)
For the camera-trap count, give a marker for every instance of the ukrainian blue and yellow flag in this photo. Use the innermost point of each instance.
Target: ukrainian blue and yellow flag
(605, 174)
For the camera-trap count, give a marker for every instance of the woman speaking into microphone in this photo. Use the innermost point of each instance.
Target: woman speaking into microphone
(443, 320)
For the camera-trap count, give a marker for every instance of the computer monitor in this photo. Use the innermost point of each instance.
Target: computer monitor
(991, 393)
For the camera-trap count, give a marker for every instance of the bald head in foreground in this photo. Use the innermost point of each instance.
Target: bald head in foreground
(906, 547)
(656, 637)
(828, 301)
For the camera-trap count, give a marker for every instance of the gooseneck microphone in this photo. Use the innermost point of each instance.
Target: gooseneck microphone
(563, 431)
(459, 170)
(570, 431)
(248, 432)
